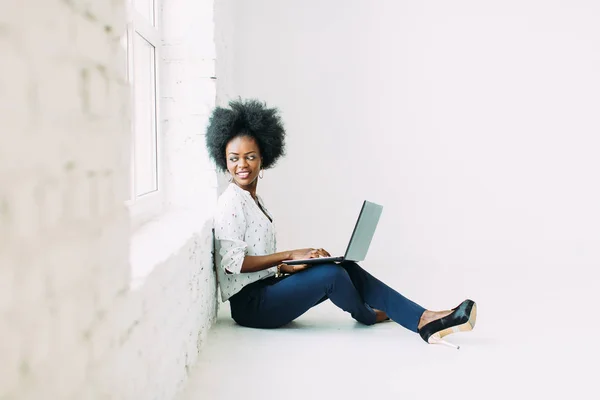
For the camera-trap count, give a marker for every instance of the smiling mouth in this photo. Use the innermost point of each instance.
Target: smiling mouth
(243, 175)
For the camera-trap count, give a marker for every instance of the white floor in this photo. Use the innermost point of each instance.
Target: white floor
(326, 355)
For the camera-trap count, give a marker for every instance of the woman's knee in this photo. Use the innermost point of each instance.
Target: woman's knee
(331, 276)
(330, 272)
(351, 266)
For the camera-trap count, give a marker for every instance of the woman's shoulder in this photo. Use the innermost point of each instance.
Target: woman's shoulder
(231, 198)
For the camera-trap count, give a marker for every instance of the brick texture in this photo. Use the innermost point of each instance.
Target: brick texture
(70, 326)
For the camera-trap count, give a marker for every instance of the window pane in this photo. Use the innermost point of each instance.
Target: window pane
(145, 8)
(145, 145)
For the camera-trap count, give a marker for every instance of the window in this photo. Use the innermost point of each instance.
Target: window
(143, 45)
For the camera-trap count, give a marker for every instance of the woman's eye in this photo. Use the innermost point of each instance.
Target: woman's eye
(251, 157)
(233, 159)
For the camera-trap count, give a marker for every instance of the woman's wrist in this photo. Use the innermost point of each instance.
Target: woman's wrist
(283, 256)
(283, 269)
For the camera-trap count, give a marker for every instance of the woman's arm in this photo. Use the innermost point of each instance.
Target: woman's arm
(259, 263)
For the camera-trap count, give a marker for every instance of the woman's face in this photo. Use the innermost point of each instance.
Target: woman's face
(243, 161)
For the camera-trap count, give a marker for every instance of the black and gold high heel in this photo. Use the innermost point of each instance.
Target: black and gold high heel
(461, 319)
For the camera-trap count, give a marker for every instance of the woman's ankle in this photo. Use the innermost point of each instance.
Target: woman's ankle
(430, 316)
(380, 316)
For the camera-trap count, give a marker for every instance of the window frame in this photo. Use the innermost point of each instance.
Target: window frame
(150, 205)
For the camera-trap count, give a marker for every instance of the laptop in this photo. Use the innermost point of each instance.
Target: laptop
(359, 241)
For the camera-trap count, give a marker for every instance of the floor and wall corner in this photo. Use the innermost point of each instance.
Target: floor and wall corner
(487, 114)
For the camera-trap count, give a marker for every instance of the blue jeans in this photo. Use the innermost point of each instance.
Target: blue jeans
(274, 302)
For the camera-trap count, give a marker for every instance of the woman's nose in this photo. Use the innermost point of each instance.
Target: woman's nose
(243, 162)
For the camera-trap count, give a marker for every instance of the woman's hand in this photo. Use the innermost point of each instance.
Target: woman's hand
(292, 269)
(302, 254)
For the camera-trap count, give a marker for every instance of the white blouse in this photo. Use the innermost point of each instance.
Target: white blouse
(241, 228)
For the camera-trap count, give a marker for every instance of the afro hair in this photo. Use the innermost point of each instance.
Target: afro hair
(245, 118)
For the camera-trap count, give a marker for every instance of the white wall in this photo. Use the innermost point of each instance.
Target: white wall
(475, 125)
(71, 326)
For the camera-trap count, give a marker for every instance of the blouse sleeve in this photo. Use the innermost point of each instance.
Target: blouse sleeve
(230, 229)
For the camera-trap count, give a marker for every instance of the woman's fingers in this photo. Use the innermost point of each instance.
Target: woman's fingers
(322, 253)
(298, 268)
(315, 253)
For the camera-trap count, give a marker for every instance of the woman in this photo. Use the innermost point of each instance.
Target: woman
(244, 140)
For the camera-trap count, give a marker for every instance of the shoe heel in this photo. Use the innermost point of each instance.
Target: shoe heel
(433, 339)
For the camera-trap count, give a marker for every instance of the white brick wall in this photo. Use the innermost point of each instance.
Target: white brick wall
(225, 17)
(70, 327)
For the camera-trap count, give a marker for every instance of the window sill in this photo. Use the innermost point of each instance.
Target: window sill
(156, 241)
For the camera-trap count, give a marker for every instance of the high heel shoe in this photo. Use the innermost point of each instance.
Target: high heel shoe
(461, 319)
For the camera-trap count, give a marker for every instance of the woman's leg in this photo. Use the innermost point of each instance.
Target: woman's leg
(286, 300)
(380, 296)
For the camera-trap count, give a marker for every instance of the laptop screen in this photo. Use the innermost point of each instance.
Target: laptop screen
(363, 231)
